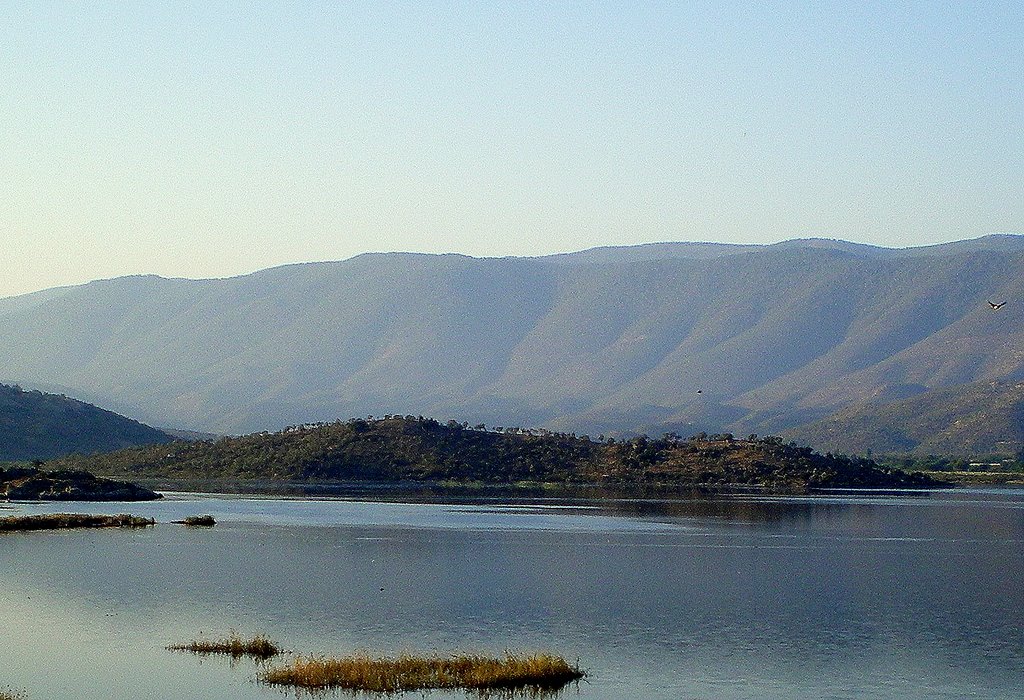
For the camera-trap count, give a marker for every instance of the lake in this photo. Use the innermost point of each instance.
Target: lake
(844, 595)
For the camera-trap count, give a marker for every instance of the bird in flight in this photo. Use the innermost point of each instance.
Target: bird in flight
(996, 306)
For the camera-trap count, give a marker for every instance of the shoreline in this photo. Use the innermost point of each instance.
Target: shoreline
(449, 489)
(979, 478)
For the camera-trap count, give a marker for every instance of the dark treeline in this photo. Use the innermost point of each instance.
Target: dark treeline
(414, 448)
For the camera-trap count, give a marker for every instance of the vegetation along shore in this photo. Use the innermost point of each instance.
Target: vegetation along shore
(409, 448)
(416, 449)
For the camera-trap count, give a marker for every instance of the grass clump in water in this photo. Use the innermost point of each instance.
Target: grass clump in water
(258, 647)
(197, 521)
(411, 672)
(63, 521)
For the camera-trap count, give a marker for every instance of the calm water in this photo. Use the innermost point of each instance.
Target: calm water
(848, 596)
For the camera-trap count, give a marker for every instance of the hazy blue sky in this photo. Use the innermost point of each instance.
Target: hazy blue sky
(211, 139)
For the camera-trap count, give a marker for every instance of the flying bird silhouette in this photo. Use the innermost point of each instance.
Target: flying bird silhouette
(996, 306)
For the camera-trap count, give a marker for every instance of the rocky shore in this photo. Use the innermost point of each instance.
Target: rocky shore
(31, 484)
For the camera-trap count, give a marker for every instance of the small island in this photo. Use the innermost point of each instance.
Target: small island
(71, 521)
(409, 449)
(34, 484)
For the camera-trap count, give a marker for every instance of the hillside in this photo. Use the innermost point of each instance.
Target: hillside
(977, 419)
(668, 337)
(394, 449)
(34, 426)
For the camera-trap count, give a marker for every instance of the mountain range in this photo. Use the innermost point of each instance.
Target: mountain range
(682, 337)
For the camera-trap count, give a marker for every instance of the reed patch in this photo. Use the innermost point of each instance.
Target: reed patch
(235, 646)
(407, 672)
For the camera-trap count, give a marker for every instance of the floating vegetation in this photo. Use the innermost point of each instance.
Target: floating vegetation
(405, 672)
(62, 521)
(258, 647)
(197, 521)
(8, 694)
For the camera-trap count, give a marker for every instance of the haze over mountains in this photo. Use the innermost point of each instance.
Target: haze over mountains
(674, 336)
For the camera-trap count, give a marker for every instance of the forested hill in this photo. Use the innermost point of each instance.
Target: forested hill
(34, 425)
(394, 449)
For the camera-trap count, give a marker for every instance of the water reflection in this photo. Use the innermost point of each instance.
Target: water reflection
(843, 596)
(741, 506)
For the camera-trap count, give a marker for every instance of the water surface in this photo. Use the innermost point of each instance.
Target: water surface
(707, 596)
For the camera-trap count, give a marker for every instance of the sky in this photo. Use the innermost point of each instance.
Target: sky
(210, 139)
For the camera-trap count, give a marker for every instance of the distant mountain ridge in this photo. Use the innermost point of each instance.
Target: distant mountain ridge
(998, 242)
(34, 425)
(677, 337)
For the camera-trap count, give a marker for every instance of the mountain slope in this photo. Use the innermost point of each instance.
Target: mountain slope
(34, 425)
(682, 337)
(968, 420)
